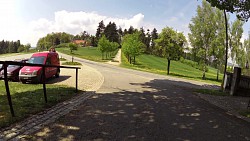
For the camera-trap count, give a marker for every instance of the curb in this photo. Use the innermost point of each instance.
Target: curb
(38, 121)
(231, 112)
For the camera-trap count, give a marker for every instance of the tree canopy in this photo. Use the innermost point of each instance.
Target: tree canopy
(171, 43)
(240, 7)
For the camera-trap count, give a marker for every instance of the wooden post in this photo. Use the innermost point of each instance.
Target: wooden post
(235, 80)
(8, 90)
(76, 79)
(44, 85)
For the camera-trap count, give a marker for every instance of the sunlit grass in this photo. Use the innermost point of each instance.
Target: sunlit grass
(90, 53)
(28, 99)
(158, 65)
(212, 92)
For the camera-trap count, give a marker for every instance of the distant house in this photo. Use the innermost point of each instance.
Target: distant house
(81, 42)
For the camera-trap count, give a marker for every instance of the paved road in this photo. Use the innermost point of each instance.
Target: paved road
(134, 105)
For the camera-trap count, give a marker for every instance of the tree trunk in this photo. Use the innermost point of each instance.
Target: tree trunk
(204, 67)
(134, 59)
(204, 73)
(225, 67)
(217, 78)
(130, 60)
(168, 66)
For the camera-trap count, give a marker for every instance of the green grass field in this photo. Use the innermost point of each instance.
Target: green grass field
(158, 65)
(28, 99)
(13, 54)
(90, 53)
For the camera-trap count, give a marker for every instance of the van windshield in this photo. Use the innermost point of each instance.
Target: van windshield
(37, 60)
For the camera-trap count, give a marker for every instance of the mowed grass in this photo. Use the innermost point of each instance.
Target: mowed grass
(28, 99)
(90, 53)
(158, 65)
(20, 53)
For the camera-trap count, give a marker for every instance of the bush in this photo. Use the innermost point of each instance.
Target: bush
(71, 63)
(62, 59)
(192, 64)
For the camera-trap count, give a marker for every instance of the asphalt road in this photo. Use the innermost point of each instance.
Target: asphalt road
(133, 105)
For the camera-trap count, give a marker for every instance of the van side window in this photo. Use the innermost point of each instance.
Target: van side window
(48, 61)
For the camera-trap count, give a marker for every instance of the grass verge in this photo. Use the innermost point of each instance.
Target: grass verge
(28, 99)
(71, 63)
(89, 53)
(212, 92)
(158, 65)
(245, 113)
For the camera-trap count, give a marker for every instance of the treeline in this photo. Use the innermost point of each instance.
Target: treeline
(13, 47)
(208, 38)
(53, 39)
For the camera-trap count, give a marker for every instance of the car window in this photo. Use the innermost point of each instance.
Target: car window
(11, 66)
(36, 60)
(48, 61)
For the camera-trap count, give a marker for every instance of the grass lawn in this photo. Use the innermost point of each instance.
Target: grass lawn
(13, 54)
(212, 92)
(28, 99)
(158, 65)
(90, 53)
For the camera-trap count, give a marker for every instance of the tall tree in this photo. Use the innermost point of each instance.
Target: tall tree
(236, 32)
(103, 45)
(131, 30)
(203, 32)
(132, 46)
(242, 10)
(171, 43)
(217, 49)
(120, 33)
(154, 36)
(100, 30)
(246, 45)
(111, 32)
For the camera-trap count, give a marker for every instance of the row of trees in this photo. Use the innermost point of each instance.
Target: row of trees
(116, 35)
(208, 38)
(132, 46)
(53, 39)
(107, 47)
(13, 47)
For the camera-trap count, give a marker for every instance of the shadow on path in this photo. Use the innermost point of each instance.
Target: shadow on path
(54, 80)
(161, 111)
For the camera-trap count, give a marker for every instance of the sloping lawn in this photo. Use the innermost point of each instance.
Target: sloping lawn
(90, 53)
(158, 65)
(28, 99)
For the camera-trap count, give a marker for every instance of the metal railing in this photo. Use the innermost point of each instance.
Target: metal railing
(5, 65)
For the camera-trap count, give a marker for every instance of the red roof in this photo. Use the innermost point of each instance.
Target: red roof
(79, 41)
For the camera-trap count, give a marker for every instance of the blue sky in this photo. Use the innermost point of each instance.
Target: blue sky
(29, 20)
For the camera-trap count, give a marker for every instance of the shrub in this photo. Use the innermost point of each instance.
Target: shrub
(192, 64)
(71, 63)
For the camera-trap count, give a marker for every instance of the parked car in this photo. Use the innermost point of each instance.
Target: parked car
(34, 74)
(1, 67)
(13, 70)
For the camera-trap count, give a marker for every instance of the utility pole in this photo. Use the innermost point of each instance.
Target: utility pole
(248, 51)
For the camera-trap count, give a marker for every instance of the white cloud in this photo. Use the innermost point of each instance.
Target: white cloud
(76, 22)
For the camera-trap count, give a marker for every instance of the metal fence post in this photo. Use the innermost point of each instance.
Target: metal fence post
(76, 79)
(8, 90)
(44, 85)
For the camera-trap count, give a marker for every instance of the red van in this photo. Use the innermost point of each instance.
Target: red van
(34, 74)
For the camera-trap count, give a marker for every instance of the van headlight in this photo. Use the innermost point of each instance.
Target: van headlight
(34, 72)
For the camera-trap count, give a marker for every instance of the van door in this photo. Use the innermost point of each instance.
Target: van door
(48, 72)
